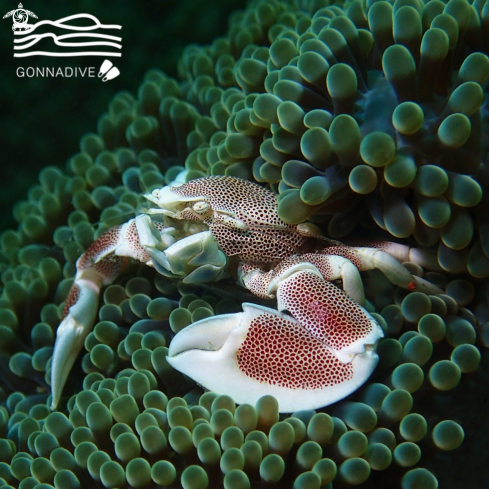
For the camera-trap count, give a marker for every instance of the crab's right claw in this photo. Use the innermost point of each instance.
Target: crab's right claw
(80, 313)
(262, 351)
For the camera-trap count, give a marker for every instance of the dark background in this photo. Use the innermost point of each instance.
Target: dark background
(43, 119)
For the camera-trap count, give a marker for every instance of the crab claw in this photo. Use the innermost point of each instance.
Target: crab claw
(262, 351)
(328, 313)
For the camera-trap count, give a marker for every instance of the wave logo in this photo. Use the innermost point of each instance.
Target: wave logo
(90, 39)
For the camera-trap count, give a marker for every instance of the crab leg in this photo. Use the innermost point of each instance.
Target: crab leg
(77, 321)
(402, 253)
(424, 258)
(330, 267)
(99, 265)
(386, 258)
(195, 258)
(333, 263)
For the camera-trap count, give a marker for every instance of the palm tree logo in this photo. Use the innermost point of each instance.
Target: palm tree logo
(20, 16)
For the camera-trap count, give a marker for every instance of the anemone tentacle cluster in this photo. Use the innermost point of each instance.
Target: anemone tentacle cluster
(367, 119)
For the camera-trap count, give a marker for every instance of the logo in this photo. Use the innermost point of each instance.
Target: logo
(20, 16)
(108, 71)
(65, 42)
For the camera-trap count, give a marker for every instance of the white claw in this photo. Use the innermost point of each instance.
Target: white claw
(71, 335)
(208, 334)
(304, 374)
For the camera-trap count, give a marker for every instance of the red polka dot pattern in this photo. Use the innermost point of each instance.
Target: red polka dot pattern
(232, 195)
(346, 252)
(111, 265)
(320, 261)
(132, 237)
(256, 246)
(324, 310)
(258, 282)
(265, 239)
(104, 245)
(277, 351)
(73, 296)
(378, 245)
(109, 268)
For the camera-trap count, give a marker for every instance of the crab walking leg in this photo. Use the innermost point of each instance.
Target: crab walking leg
(262, 351)
(78, 319)
(330, 267)
(335, 263)
(424, 258)
(369, 258)
(98, 266)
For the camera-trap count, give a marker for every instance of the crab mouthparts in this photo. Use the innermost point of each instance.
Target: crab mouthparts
(169, 203)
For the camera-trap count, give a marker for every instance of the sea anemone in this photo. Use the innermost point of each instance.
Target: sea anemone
(367, 119)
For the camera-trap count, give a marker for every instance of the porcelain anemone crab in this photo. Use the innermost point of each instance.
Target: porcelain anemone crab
(315, 349)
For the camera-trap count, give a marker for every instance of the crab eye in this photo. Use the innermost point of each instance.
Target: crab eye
(201, 207)
(156, 193)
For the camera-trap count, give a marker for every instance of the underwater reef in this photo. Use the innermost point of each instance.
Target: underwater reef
(368, 119)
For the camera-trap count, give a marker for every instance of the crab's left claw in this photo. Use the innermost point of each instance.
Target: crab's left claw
(263, 351)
